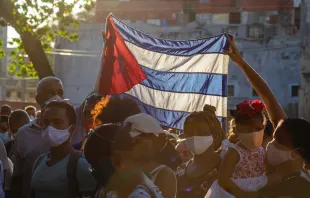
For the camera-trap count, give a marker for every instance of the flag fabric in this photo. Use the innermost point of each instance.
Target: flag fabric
(168, 79)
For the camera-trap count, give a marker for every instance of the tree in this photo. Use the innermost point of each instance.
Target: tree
(39, 22)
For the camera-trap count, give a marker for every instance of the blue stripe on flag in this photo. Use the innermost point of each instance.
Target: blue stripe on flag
(214, 44)
(173, 119)
(200, 83)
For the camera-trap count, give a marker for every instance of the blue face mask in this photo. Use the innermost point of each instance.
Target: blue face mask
(103, 172)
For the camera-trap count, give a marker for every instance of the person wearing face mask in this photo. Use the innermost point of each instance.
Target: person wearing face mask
(286, 138)
(203, 137)
(52, 171)
(4, 129)
(109, 150)
(31, 110)
(242, 168)
(28, 145)
(145, 132)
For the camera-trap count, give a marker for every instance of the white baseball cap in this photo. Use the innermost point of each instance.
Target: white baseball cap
(143, 123)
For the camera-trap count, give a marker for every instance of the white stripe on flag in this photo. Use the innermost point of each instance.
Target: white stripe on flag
(207, 63)
(186, 102)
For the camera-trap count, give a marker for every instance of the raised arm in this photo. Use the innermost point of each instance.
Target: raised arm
(274, 109)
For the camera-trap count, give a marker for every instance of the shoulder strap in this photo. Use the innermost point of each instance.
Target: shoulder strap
(155, 172)
(73, 182)
(35, 166)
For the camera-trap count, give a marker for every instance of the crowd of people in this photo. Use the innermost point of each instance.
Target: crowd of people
(108, 148)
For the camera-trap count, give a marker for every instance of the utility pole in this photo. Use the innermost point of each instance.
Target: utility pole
(304, 92)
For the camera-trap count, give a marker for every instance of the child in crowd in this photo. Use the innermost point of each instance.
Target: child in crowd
(242, 171)
(204, 134)
(4, 128)
(242, 168)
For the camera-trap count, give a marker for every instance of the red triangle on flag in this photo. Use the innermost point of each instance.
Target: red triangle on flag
(120, 69)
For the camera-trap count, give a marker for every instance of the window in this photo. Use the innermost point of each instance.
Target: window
(234, 18)
(294, 90)
(254, 94)
(8, 94)
(32, 94)
(297, 17)
(273, 19)
(231, 90)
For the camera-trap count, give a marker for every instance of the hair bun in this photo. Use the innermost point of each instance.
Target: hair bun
(209, 109)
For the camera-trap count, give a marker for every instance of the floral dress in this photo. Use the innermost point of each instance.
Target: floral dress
(249, 172)
(194, 187)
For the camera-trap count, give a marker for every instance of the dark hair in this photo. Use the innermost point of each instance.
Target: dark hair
(6, 109)
(19, 116)
(30, 108)
(295, 132)
(244, 119)
(269, 129)
(114, 109)
(104, 140)
(207, 117)
(4, 118)
(65, 105)
(94, 98)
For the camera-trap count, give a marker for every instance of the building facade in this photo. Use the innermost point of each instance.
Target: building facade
(304, 107)
(14, 89)
(267, 33)
(168, 12)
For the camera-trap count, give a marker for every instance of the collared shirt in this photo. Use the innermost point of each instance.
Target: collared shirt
(27, 148)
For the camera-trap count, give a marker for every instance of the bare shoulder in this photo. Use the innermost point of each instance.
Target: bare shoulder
(231, 155)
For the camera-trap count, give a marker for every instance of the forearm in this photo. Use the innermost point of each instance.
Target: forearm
(274, 109)
(273, 178)
(230, 186)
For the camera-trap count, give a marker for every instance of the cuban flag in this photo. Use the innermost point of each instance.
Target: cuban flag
(168, 79)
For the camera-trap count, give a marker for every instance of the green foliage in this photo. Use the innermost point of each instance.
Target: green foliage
(2, 54)
(46, 20)
(20, 65)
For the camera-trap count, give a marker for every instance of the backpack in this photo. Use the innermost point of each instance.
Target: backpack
(73, 182)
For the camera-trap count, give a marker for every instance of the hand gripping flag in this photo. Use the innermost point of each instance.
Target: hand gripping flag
(168, 79)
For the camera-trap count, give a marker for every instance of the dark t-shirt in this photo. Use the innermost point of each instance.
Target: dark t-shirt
(8, 148)
(194, 187)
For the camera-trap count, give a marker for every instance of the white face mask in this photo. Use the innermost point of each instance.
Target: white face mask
(198, 144)
(277, 156)
(252, 141)
(31, 118)
(54, 137)
(56, 97)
